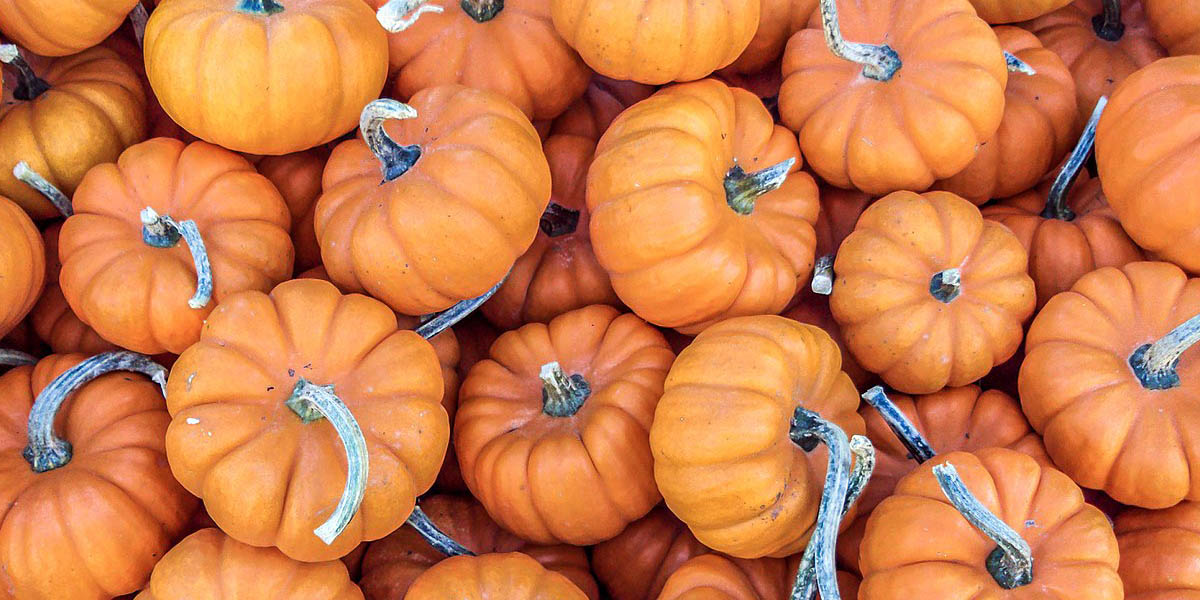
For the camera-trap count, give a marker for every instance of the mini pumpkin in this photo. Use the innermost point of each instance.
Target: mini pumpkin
(699, 208)
(840, 210)
(297, 176)
(1011, 11)
(1159, 549)
(777, 21)
(635, 563)
(716, 577)
(1176, 25)
(815, 311)
(22, 265)
(53, 319)
(512, 576)
(59, 28)
(601, 102)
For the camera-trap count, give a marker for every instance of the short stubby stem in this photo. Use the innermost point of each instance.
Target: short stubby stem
(161, 231)
(1156, 365)
(908, 434)
(394, 159)
(16, 358)
(1011, 563)
(946, 285)
(880, 62)
(259, 7)
(434, 536)
(33, 179)
(562, 395)
(431, 325)
(808, 430)
(1108, 25)
(310, 402)
(1056, 200)
(822, 279)
(47, 451)
(398, 15)
(558, 220)
(29, 86)
(1016, 65)
(482, 11)
(742, 189)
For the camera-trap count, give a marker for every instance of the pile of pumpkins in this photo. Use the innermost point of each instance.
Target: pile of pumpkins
(586, 299)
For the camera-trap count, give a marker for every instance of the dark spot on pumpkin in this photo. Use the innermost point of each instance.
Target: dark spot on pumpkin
(291, 372)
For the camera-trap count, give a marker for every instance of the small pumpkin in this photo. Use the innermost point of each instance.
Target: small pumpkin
(900, 114)
(715, 577)
(1011, 11)
(699, 209)
(1176, 25)
(53, 319)
(1158, 552)
(635, 563)
(815, 311)
(297, 176)
(777, 21)
(273, 78)
(601, 102)
(512, 576)
(22, 265)
(59, 28)
(840, 210)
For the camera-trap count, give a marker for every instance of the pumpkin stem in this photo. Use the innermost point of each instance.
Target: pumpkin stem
(1156, 364)
(916, 444)
(392, 14)
(562, 396)
(434, 536)
(1011, 563)
(47, 451)
(1108, 25)
(161, 231)
(822, 279)
(394, 159)
(1016, 65)
(742, 189)
(33, 179)
(558, 220)
(16, 358)
(808, 430)
(482, 10)
(30, 85)
(880, 62)
(431, 325)
(259, 7)
(310, 402)
(137, 19)
(1056, 200)
(946, 285)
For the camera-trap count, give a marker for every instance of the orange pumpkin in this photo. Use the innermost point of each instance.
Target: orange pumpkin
(1107, 383)
(52, 319)
(464, 183)
(928, 293)
(1011, 11)
(129, 274)
(88, 516)
(74, 113)
(512, 576)
(840, 210)
(815, 311)
(601, 102)
(1159, 549)
(699, 208)
(1102, 42)
(635, 564)
(857, 116)
(1176, 25)
(22, 265)
(59, 28)
(1036, 131)
(570, 400)
(1043, 540)
(211, 565)
(273, 78)
(297, 176)
(777, 21)
(715, 577)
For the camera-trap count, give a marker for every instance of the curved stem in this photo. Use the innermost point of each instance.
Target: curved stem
(47, 451)
(161, 231)
(259, 7)
(916, 444)
(562, 396)
(1016, 65)
(16, 358)
(1108, 25)
(482, 11)
(822, 279)
(558, 220)
(434, 536)
(34, 180)
(743, 189)
(30, 86)
(397, 15)
(1156, 364)
(880, 62)
(807, 430)
(137, 18)
(443, 320)
(310, 402)
(1011, 563)
(1056, 200)
(946, 285)
(394, 159)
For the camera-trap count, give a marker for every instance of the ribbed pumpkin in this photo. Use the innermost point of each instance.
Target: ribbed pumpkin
(1159, 552)
(714, 577)
(777, 21)
(840, 210)
(512, 576)
(22, 265)
(601, 102)
(699, 208)
(297, 176)
(52, 319)
(1176, 25)
(815, 311)
(635, 564)
(61, 27)
(1011, 11)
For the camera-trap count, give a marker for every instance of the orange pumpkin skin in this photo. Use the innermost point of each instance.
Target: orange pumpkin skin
(1100, 425)
(211, 565)
(635, 564)
(917, 543)
(1060, 252)
(266, 477)
(451, 226)
(512, 576)
(645, 42)
(136, 295)
(297, 176)
(1037, 129)
(22, 265)
(1176, 25)
(52, 319)
(1011, 11)
(1158, 552)
(1147, 160)
(815, 311)
(739, 482)
(840, 210)
(59, 28)
(856, 132)
(514, 454)
(93, 528)
(251, 85)
(601, 102)
(891, 320)
(94, 109)
(663, 226)
(1097, 65)
(716, 577)
(391, 564)
(777, 21)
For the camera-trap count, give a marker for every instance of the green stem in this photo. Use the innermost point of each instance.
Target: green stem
(562, 396)
(434, 536)
(394, 159)
(1108, 25)
(482, 11)
(808, 429)
(29, 86)
(16, 358)
(161, 231)
(1011, 563)
(743, 189)
(916, 444)
(880, 62)
(33, 179)
(397, 15)
(1016, 65)
(558, 220)
(1156, 365)
(946, 285)
(259, 7)
(431, 325)
(1056, 200)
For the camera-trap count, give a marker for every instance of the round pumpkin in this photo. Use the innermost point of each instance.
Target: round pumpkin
(777, 21)
(656, 43)
(714, 577)
(211, 565)
(53, 319)
(74, 113)
(512, 576)
(391, 564)
(570, 400)
(88, 516)
(815, 311)
(1011, 11)
(244, 436)
(22, 265)
(900, 122)
(464, 183)
(635, 563)
(1115, 407)
(1159, 550)
(928, 293)
(61, 27)
(133, 286)
(601, 102)
(274, 77)
(699, 210)
(1176, 25)
(297, 176)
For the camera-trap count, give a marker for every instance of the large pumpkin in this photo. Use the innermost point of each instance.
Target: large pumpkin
(61, 27)
(1176, 25)
(464, 182)
(297, 176)
(22, 265)
(1159, 552)
(913, 112)
(928, 293)
(571, 400)
(1112, 391)
(273, 78)
(270, 455)
(85, 516)
(512, 576)
(52, 318)
(74, 113)
(135, 277)
(699, 208)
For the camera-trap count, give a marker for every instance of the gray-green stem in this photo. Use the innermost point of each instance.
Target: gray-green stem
(808, 430)
(1016, 65)
(16, 358)
(137, 19)
(822, 279)
(33, 179)
(1011, 563)
(880, 62)
(1156, 365)
(161, 231)
(562, 395)
(1056, 200)
(397, 15)
(435, 537)
(908, 434)
(261, 8)
(742, 189)
(946, 285)
(29, 85)
(394, 159)
(431, 325)
(482, 11)
(1108, 25)
(558, 220)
